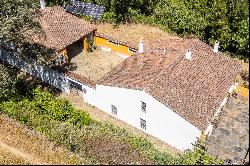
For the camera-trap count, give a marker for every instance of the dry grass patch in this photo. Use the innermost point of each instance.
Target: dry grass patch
(132, 33)
(7, 158)
(243, 78)
(96, 64)
(19, 145)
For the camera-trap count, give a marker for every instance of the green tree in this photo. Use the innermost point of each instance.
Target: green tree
(7, 77)
(19, 20)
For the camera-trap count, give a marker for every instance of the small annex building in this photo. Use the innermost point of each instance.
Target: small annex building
(61, 29)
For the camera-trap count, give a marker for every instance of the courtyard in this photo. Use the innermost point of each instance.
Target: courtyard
(92, 65)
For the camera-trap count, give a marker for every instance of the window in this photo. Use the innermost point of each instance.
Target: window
(113, 110)
(84, 90)
(143, 106)
(143, 124)
(75, 85)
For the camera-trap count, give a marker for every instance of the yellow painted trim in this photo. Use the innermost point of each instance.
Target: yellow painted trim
(242, 91)
(202, 137)
(85, 44)
(119, 48)
(65, 54)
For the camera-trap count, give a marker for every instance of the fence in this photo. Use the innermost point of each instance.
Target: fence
(43, 73)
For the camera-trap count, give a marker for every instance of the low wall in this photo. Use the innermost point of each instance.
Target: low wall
(242, 91)
(114, 45)
(43, 73)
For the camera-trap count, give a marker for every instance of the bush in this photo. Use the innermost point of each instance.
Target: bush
(45, 104)
(7, 82)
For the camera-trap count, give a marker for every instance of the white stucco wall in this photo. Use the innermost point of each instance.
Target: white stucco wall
(161, 122)
(210, 127)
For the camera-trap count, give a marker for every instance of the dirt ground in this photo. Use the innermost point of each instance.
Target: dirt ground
(20, 145)
(96, 64)
(132, 33)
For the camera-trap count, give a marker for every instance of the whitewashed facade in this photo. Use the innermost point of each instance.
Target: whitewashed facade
(161, 122)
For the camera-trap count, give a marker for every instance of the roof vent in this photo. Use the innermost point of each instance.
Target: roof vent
(141, 46)
(42, 3)
(216, 46)
(188, 55)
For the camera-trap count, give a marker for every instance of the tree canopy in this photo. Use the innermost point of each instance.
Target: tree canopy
(210, 20)
(18, 20)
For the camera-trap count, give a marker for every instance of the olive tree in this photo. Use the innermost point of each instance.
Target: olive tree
(18, 20)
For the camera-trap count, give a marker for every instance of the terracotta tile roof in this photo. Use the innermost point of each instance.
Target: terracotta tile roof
(192, 88)
(138, 70)
(80, 78)
(61, 28)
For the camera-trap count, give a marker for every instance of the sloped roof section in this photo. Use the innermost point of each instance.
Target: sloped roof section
(61, 28)
(137, 71)
(192, 88)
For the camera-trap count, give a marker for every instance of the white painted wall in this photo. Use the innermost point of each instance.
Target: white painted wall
(161, 122)
(210, 127)
(41, 72)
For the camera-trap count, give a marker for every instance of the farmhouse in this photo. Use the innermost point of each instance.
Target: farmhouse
(167, 94)
(173, 88)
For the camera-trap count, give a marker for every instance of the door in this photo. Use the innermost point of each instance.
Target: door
(76, 88)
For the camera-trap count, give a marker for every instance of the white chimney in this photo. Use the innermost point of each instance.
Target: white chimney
(141, 46)
(164, 51)
(188, 55)
(42, 3)
(216, 46)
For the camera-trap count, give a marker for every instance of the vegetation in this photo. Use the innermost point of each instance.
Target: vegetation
(16, 147)
(7, 81)
(99, 143)
(90, 45)
(210, 20)
(18, 20)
